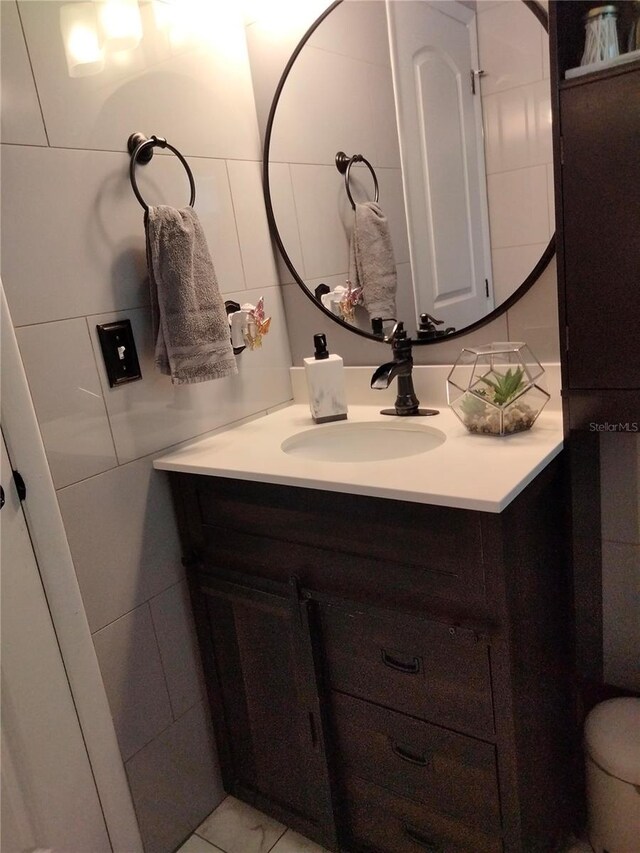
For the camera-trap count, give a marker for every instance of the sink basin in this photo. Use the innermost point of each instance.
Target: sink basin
(370, 441)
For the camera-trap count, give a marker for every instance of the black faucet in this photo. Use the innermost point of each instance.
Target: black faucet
(407, 404)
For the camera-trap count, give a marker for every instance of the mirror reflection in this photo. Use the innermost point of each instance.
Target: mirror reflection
(446, 107)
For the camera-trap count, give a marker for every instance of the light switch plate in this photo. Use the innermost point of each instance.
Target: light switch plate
(119, 352)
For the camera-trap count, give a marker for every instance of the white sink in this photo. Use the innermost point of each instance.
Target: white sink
(368, 441)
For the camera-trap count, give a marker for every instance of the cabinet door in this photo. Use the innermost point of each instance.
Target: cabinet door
(265, 705)
(600, 126)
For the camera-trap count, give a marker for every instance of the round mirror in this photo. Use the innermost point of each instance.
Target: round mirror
(408, 162)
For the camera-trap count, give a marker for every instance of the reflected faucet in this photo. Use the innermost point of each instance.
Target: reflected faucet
(407, 404)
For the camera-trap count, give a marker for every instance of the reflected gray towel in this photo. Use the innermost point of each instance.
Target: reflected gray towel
(371, 263)
(190, 324)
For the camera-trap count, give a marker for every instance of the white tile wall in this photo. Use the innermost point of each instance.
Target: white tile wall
(284, 208)
(148, 415)
(199, 97)
(175, 633)
(251, 220)
(517, 126)
(510, 47)
(66, 393)
(175, 781)
(518, 207)
(513, 264)
(21, 118)
(357, 30)
(534, 317)
(134, 680)
(320, 198)
(123, 539)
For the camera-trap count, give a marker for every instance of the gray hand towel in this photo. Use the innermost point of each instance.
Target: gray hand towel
(189, 320)
(371, 263)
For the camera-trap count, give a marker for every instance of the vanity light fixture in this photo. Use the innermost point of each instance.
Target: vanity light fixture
(120, 24)
(81, 38)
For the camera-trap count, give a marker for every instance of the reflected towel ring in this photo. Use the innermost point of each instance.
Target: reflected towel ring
(141, 150)
(344, 164)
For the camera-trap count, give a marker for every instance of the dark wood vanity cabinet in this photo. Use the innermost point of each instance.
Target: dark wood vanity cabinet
(386, 677)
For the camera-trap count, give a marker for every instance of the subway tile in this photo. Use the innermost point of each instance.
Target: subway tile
(198, 94)
(66, 393)
(175, 632)
(175, 782)
(69, 254)
(511, 266)
(21, 117)
(236, 827)
(534, 317)
(251, 220)
(132, 673)
(509, 40)
(620, 608)
(151, 414)
(518, 207)
(517, 125)
(123, 538)
(620, 487)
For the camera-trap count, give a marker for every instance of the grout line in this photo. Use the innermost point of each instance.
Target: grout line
(161, 659)
(82, 316)
(279, 838)
(162, 731)
(84, 149)
(35, 85)
(235, 224)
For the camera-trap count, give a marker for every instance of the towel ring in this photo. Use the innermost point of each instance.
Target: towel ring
(141, 150)
(344, 164)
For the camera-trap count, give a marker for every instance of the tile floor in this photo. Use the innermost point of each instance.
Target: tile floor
(235, 827)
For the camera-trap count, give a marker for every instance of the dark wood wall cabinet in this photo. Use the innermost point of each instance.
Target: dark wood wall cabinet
(596, 121)
(596, 127)
(387, 677)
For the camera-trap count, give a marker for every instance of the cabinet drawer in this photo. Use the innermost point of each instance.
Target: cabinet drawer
(381, 821)
(419, 667)
(335, 540)
(451, 773)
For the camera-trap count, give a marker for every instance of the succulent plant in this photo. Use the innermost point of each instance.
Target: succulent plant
(505, 387)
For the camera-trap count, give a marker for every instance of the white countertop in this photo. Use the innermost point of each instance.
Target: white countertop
(467, 471)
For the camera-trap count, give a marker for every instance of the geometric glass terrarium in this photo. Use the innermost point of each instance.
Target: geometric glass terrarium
(498, 389)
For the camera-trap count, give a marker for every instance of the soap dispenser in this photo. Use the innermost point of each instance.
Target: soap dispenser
(325, 382)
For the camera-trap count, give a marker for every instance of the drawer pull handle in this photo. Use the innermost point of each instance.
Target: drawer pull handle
(411, 668)
(419, 838)
(411, 758)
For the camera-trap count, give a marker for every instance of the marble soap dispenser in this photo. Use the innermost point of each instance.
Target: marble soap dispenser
(325, 382)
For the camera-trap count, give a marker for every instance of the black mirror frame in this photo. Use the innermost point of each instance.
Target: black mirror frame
(533, 276)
